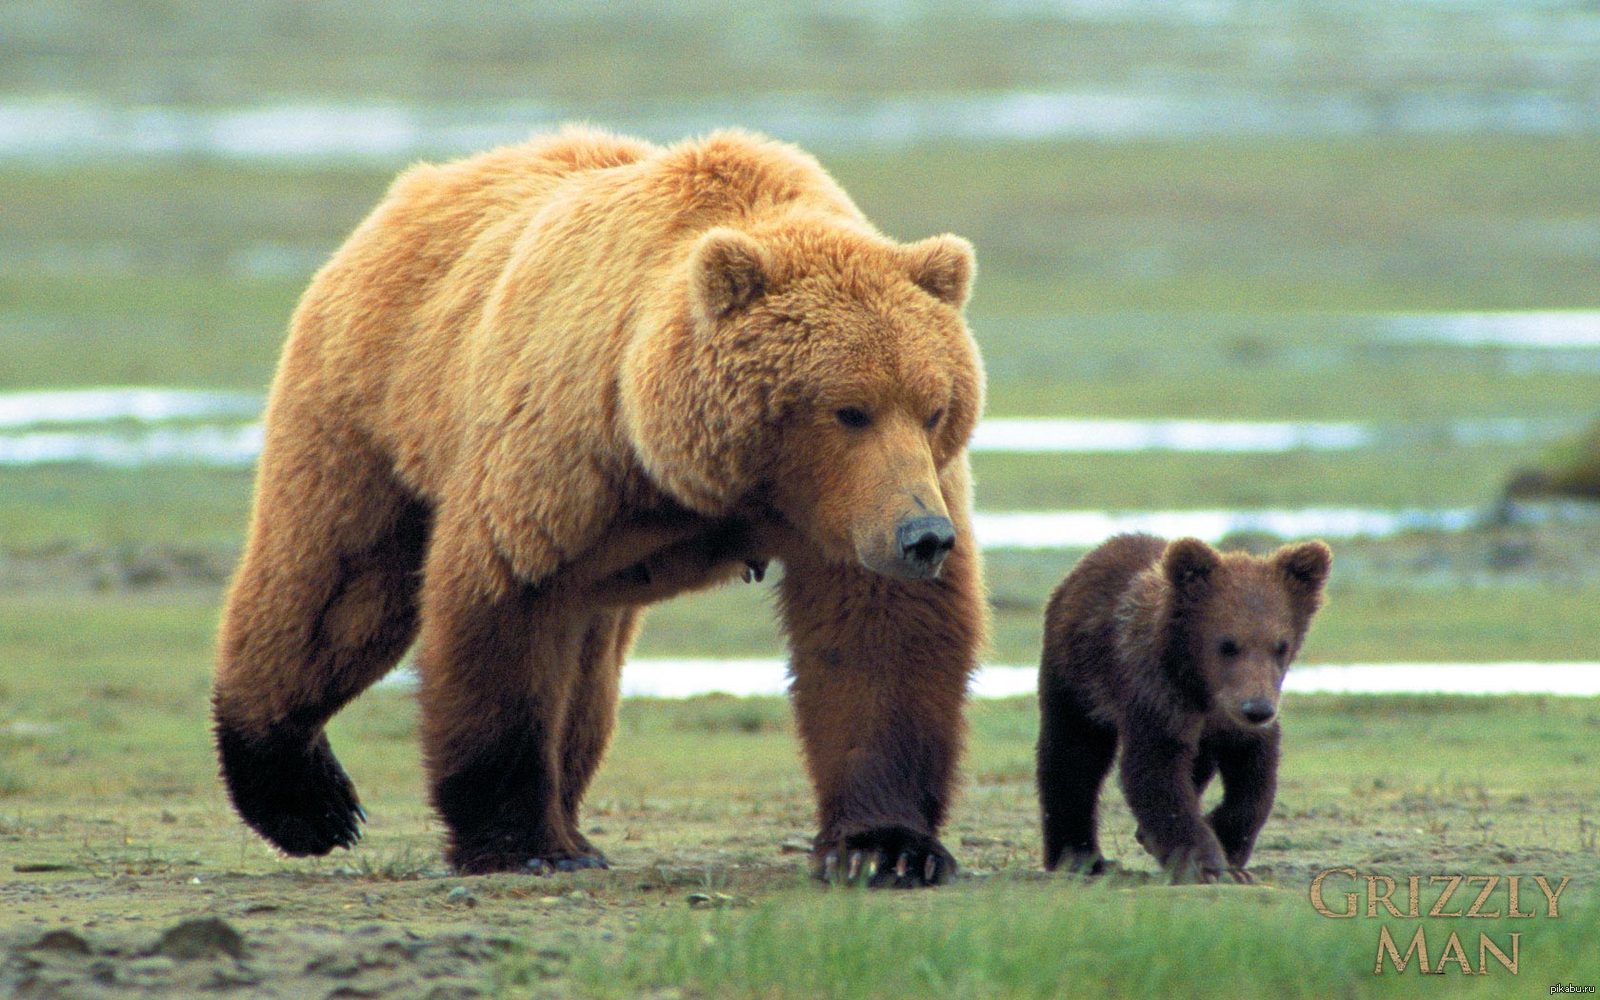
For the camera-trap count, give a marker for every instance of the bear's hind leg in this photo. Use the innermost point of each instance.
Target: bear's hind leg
(1075, 752)
(319, 610)
(592, 714)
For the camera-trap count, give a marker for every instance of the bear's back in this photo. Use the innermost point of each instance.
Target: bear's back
(1082, 621)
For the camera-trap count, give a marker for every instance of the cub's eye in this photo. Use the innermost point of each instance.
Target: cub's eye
(1282, 648)
(854, 417)
(933, 421)
(1228, 648)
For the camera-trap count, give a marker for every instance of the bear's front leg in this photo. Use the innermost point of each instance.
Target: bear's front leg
(1248, 764)
(880, 677)
(1157, 780)
(497, 664)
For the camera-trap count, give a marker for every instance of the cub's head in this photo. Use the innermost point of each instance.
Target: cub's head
(822, 369)
(1242, 619)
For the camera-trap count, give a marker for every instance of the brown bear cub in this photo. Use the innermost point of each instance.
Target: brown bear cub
(1179, 652)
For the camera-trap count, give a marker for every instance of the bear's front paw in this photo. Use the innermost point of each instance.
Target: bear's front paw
(885, 857)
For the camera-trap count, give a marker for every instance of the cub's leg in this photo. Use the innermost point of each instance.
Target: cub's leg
(1157, 776)
(323, 604)
(1249, 766)
(880, 682)
(1075, 752)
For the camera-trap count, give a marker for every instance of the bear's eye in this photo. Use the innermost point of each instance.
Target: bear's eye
(1228, 648)
(1282, 649)
(933, 421)
(854, 417)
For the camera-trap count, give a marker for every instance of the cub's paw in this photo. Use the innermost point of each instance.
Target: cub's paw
(885, 857)
(291, 792)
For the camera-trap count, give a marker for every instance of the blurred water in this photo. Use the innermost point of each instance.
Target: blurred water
(235, 447)
(45, 129)
(1546, 330)
(230, 443)
(686, 678)
(135, 403)
(1068, 529)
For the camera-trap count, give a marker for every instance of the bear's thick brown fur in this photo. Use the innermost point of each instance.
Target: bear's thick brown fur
(1178, 652)
(543, 386)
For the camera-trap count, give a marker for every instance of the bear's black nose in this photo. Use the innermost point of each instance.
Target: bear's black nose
(1258, 711)
(925, 541)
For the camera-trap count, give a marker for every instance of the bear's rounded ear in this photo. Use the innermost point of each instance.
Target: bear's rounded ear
(728, 270)
(1188, 563)
(1305, 565)
(942, 266)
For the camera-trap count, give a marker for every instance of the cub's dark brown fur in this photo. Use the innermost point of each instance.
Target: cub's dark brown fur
(1178, 652)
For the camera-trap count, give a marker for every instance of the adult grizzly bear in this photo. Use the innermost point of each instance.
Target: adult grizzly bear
(1180, 652)
(543, 386)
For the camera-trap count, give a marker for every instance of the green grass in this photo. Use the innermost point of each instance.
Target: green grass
(55, 507)
(1021, 940)
(1426, 475)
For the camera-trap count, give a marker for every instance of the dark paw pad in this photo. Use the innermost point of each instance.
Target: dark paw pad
(891, 857)
(291, 790)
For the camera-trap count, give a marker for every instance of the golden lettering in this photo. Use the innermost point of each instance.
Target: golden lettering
(1418, 947)
(1511, 963)
(1513, 884)
(1374, 897)
(1459, 955)
(1444, 897)
(1552, 896)
(1489, 882)
(1316, 894)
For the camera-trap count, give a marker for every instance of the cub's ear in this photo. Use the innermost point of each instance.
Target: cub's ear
(728, 270)
(942, 266)
(1188, 564)
(1306, 565)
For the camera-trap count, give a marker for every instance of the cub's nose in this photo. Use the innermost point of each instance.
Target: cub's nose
(924, 542)
(1258, 711)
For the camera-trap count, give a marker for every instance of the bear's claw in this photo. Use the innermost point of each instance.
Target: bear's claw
(887, 857)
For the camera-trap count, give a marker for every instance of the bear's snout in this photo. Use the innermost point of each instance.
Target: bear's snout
(924, 542)
(1258, 711)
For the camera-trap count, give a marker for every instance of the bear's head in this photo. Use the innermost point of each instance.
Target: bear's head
(820, 370)
(1239, 621)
